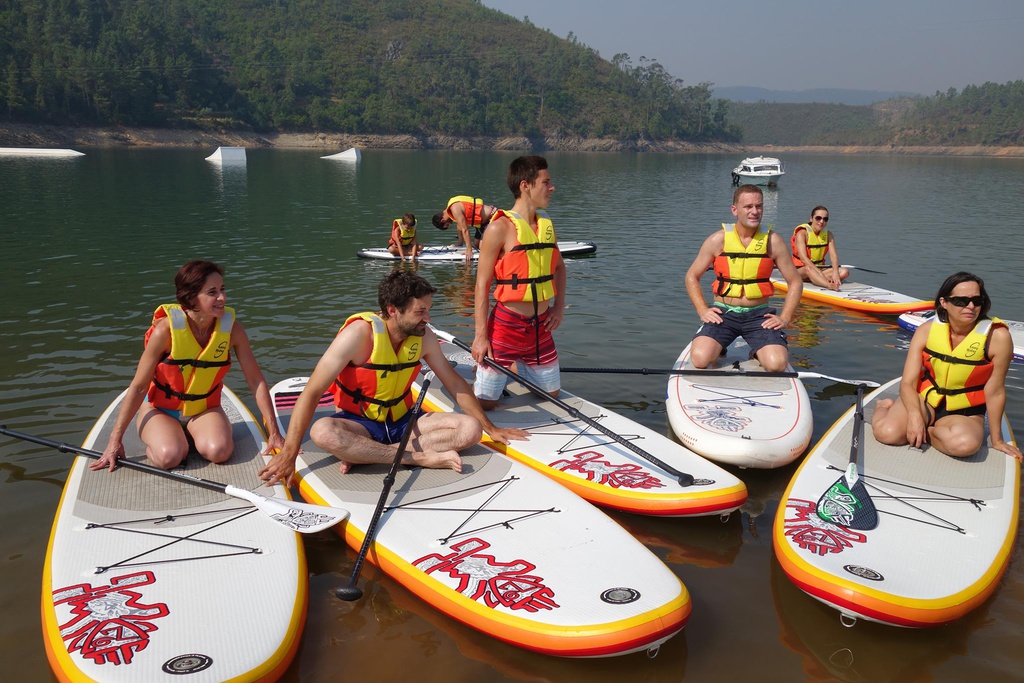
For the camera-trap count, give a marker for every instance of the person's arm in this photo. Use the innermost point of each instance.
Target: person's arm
(257, 385)
(458, 212)
(490, 248)
(352, 345)
(1001, 351)
(396, 237)
(917, 430)
(784, 262)
(463, 393)
(712, 246)
(556, 311)
(158, 345)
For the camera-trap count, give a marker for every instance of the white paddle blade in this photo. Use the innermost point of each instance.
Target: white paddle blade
(840, 380)
(301, 517)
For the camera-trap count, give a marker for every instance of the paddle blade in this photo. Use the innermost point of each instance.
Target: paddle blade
(301, 517)
(848, 505)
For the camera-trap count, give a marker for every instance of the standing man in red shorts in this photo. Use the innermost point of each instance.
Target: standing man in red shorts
(519, 253)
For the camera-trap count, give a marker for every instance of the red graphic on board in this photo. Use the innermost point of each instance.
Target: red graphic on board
(811, 532)
(624, 476)
(109, 624)
(508, 584)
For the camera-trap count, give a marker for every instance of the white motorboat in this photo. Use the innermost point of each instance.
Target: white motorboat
(758, 171)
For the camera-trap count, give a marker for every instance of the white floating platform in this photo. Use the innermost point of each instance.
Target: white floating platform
(233, 155)
(39, 152)
(350, 154)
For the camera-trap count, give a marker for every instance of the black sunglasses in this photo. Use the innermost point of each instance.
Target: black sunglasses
(962, 301)
(823, 219)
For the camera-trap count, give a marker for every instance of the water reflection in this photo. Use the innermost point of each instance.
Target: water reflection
(830, 651)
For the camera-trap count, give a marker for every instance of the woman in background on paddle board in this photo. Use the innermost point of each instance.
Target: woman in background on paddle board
(178, 382)
(955, 373)
(811, 243)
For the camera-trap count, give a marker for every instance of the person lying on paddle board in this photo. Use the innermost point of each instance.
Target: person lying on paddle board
(743, 257)
(370, 368)
(811, 243)
(178, 381)
(519, 252)
(955, 373)
(466, 212)
(403, 240)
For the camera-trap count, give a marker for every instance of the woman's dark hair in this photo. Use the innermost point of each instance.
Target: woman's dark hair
(947, 289)
(190, 280)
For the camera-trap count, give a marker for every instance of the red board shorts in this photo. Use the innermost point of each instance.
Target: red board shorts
(521, 340)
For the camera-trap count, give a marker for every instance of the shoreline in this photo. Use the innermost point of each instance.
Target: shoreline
(31, 135)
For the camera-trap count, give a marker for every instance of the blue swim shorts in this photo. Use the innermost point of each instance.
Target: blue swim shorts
(381, 432)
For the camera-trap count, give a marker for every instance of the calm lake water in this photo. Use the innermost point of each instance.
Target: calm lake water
(91, 246)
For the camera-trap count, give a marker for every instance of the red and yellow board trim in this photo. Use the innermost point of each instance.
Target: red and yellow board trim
(598, 640)
(863, 306)
(861, 601)
(66, 669)
(638, 502)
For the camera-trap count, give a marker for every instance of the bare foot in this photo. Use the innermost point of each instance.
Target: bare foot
(345, 467)
(884, 403)
(439, 460)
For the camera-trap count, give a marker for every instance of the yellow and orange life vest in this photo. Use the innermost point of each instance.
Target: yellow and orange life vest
(744, 271)
(189, 379)
(817, 245)
(472, 209)
(526, 271)
(379, 389)
(958, 375)
(405, 233)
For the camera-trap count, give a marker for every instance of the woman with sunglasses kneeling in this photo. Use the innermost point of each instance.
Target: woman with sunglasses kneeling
(811, 243)
(955, 372)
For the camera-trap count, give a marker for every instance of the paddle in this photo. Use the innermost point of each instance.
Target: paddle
(352, 592)
(720, 373)
(301, 517)
(866, 270)
(683, 478)
(847, 503)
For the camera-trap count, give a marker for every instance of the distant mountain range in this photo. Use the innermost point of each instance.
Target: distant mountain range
(742, 93)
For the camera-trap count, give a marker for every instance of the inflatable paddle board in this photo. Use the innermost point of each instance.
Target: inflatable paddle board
(911, 321)
(148, 579)
(749, 420)
(859, 297)
(593, 465)
(945, 530)
(502, 549)
(457, 254)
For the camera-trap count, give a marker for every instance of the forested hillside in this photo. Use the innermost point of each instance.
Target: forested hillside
(371, 66)
(989, 114)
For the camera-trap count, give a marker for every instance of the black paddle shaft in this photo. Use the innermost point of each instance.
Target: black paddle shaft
(352, 592)
(683, 478)
(130, 464)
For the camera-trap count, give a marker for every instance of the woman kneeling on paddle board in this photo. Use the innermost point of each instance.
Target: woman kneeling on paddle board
(178, 381)
(955, 373)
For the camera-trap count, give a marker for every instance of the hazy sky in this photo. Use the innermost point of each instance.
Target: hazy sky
(907, 45)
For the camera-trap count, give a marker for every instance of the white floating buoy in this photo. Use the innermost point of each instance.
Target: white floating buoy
(234, 155)
(39, 152)
(350, 154)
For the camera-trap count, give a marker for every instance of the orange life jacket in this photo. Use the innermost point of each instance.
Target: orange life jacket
(526, 271)
(817, 245)
(958, 375)
(189, 379)
(744, 271)
(472, 209)
(379, 389)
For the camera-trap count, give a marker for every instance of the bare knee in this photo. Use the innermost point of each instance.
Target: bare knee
(887, 433)
(167, 456)
(469, 432)
(216, 450)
